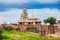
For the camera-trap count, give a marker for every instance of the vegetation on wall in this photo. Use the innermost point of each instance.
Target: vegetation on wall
(8, 28)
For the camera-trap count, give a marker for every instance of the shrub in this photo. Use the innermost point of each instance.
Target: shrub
(8, 28)
(5, 37)
(1, 30)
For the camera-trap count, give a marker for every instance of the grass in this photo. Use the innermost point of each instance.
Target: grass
(16, 35)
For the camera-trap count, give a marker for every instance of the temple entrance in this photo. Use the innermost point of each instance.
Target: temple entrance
(18, 29)
(32, 29)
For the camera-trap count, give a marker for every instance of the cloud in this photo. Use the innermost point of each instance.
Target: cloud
(45, 13)
(27, 1)
(47, 1)
(13, 15)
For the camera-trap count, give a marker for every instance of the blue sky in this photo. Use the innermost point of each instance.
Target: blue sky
(10, 10)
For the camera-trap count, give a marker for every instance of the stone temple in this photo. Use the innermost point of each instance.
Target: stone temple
(33, 24)
(25, 21)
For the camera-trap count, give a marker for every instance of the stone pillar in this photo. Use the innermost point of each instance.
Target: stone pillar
(34, 23)
(26, 23)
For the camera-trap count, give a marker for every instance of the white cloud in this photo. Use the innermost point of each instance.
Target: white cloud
(47, 1)
(27, 1)
(45, 12)
(13, 15)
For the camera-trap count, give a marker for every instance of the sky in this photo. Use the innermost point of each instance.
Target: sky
(10, 10)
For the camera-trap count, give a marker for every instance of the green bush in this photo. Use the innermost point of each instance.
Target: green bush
(1, 31)
(8, 28)
(4, 37)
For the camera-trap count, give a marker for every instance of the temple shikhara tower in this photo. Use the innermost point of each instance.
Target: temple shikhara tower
(24, 14)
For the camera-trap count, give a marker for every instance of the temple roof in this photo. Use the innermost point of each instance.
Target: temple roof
(30, 20)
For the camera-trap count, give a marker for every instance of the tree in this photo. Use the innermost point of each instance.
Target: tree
(50, 20)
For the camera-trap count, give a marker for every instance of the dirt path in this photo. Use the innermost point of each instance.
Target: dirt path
(57, 34)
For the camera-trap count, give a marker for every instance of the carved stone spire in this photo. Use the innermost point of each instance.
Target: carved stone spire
(24, 14)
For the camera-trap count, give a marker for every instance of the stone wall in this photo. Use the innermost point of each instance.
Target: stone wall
(34, 28)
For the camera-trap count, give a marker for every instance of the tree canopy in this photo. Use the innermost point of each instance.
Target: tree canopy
(50, 20)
